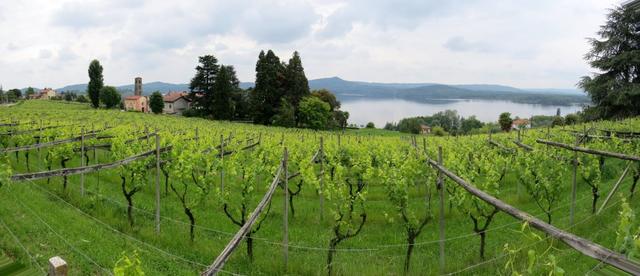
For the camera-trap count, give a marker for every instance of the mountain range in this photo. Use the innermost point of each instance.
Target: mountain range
(420, 92)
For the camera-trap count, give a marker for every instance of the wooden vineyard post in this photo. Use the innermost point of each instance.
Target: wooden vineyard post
(58, 267)
(441, 218)
(574, 182)
(221, 162)
(321, 155)
(82, 163)
(490, 132)
(285, 216)
(157, 182)
(39, 140)
(197, 137)
(615, 187)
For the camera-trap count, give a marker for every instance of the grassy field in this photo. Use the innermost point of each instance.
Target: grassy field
(91, 232)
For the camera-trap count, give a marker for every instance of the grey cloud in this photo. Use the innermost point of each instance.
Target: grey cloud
(279, 22)
(44, 54)
(460, 44)
(384, 14)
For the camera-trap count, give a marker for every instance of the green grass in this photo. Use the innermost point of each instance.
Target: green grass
(48, 226)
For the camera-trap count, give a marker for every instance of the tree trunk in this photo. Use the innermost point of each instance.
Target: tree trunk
(293, 210)
(594, 191)
(193, 222)
(249, 246)
(26, 155)
(130, 210)
(63, 163)
(407, 259)
(483, 235)
(332, 251)
(636, 177)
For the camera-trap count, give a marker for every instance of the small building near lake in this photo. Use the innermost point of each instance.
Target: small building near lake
(425, 129)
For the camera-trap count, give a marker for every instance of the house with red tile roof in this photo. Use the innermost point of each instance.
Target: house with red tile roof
(136, 103)
(176, 102)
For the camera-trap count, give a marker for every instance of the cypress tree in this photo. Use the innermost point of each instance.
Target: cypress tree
(223, 88)
(268, 91)
(296, 83)
(201, 86)
(616, 90)
(96, 82)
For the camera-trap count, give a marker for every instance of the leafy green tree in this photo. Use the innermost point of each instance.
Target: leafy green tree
(82, 99)
(370, 125)
(616, 91)
(110, 97)
(96, 82)
(268, 90)
(286, 115)
(505, 121)
(241, 106)
(328, 97)
(14, 94)
(571, 119)
(70, 96)
(30, 91)
(296, 85)
(557, 121)
(223, 87)
(314, 113)
(410, 125)
(449, 120)
(156, 103)
(340, 118)
(468, 124)
(202, 84)
(439, 131)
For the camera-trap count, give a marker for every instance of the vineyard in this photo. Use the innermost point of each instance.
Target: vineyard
(110, 191)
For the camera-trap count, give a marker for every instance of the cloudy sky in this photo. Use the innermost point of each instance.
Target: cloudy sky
(527, 44)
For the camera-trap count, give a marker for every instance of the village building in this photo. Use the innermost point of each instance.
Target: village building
(136, 103)
(45, 94)
(425, 129)
(176, 102)
(520, 124)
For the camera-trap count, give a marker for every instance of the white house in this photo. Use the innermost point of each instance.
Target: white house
(175, 102)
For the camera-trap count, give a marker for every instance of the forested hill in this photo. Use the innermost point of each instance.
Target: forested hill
(421, 92)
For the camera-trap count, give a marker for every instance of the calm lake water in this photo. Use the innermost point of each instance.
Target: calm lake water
(382, 111)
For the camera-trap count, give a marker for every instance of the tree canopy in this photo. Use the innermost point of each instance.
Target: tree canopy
(110, 97)
(616, 90)
(156, 103)
(96, 82)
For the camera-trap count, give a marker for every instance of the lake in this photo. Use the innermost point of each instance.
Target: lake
(382, 111)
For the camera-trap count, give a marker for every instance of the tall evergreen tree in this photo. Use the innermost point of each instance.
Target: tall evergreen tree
(296, 84)
(156, 103)
(96, 82)
(616, 91)
(268, 91)
(224, 86)
(201, 86)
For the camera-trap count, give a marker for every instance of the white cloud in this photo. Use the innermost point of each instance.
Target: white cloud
(525, 44)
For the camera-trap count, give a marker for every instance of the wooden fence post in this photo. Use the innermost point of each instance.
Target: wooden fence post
(574, 182)
(157, 182)
(285, 218)
(197, 137)
(321, 155)
(441, 195)
(221, 162)
(82, 163)
(58, 267)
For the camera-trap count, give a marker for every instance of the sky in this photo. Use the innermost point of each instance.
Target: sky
(526, 44)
